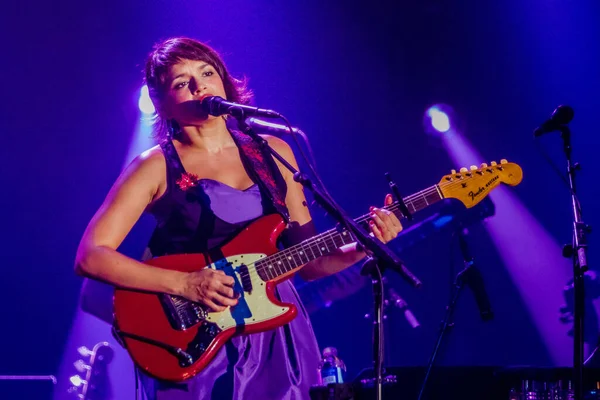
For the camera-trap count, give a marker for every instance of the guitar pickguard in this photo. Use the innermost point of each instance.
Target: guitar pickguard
(254, 305)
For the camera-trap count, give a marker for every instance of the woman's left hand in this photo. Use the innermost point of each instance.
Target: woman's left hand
(384, 224)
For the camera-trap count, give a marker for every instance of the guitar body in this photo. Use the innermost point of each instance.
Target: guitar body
(173, 339)
(161, 318)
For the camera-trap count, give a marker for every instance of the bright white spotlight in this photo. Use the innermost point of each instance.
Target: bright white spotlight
(145, 104)
(439, 119)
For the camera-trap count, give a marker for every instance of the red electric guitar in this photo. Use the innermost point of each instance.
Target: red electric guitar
(172, 338)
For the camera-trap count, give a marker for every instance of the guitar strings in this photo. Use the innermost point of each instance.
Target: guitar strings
(414, 200)
(327, 238)
(324, 237)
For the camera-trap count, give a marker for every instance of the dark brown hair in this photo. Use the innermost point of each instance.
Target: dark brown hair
(169, 52)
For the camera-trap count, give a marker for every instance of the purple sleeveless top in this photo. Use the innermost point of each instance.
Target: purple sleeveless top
(278, 364)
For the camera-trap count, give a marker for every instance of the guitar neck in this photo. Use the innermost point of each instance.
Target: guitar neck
(293, 258)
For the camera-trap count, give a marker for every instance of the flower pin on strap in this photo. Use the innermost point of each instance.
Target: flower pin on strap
(187, 180)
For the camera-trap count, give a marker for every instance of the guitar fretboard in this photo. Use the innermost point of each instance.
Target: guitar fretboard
(288, 260)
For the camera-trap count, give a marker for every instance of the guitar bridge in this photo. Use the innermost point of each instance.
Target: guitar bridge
(182, 313)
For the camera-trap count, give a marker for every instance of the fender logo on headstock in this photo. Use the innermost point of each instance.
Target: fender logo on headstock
(473, 194)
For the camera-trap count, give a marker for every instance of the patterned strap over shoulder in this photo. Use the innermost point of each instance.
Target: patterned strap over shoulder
(265, 171)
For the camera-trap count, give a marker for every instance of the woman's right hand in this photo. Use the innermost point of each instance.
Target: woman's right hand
(210, 287)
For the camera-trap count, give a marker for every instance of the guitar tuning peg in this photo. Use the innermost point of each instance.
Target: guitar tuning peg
(84, 351)
(493, 163)
(77, 381)
(453, 172)
(463, 170)
(81, 366)
(484, 165)
(503, 161)
(473, 168)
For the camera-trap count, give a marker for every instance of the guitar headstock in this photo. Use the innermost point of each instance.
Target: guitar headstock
(472, 185)
(94, 382)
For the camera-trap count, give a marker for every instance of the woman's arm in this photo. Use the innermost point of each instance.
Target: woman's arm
(97, 257)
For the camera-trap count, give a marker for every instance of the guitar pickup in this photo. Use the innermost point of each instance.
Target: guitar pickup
(245, 278)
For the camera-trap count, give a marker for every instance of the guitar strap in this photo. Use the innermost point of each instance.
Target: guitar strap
(263, 170)
(261, 166)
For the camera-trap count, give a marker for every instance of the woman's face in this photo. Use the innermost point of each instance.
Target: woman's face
(187, 83)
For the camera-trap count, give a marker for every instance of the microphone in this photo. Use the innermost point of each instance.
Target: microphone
(401, 304)
(217, 106)
(472, 277)
(561, 116)
(271, 128)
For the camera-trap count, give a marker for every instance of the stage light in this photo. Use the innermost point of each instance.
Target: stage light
(437, 119)
(440, 119)
(145, 103)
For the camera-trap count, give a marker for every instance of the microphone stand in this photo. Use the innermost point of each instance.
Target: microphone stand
(379, 257)
(577, 251)
(461, 279)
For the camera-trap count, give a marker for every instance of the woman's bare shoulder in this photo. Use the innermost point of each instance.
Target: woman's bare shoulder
(149, 160)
